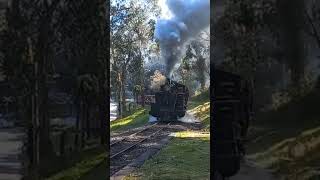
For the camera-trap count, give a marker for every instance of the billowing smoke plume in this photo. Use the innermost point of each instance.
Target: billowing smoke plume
(157, 80)
(189, 18)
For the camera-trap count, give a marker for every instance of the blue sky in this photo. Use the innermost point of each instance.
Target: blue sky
(165, 13)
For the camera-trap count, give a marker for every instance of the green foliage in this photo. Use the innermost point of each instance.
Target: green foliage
(199, 99)
(241, 25)
(88, 87)
(195, 65)
(131, 33)
(293, 93)
(279, 99)
(79, 35)
(37, 34)
(137, 88)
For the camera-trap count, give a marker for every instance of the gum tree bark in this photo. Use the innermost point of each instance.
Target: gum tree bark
(291, 16)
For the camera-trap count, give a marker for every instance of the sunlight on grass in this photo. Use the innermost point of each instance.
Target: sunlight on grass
(189, 134)
(127, 120)
(183, 158)
(202, 112)
(199, 99)
(80, 169)
(205, 95)
(199, 109)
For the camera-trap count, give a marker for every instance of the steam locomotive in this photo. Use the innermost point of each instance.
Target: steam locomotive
(170, 101)
(233, 111)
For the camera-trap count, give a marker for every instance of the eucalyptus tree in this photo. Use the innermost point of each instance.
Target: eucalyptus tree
(36, 32)
(27, 55)
(131, 29)
(244, 28)
(292, 20)
(83, 42)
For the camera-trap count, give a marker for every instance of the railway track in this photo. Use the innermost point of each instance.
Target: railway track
(128, 148)
(131, 135)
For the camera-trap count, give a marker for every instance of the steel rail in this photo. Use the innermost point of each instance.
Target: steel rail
(133, 134)
(137, 143)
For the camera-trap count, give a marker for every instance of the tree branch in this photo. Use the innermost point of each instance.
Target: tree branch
(315, 32)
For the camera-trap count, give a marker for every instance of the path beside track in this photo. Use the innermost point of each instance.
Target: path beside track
(10, 144)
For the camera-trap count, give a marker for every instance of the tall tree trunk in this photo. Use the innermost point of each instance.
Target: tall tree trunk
(35, 125)
(102, 58)
(77, 125)
(119, 97)
(291, 14)
(141, 74)
(201, 72)
(83, 126)
(42, 58)
(142, 95)
(88, 118)
(123, 90)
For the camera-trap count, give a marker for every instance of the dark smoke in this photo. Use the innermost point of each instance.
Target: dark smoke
(189, 18)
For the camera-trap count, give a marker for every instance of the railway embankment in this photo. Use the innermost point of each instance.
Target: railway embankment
(287, 140)
(138, 118)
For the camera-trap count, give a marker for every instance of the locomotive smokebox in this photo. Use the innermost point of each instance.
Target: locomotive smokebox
(170, 101)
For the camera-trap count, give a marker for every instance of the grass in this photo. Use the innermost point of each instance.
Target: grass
(187, 156)
(80, 169)
(199, 106)
(287, 140)
(98, 173)
(202, 113)
(200, 99)
(293, 158)
(206, 123)
(286, 122)
(138, 118)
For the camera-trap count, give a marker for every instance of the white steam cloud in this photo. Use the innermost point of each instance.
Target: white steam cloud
(189, 17)
(157, 80)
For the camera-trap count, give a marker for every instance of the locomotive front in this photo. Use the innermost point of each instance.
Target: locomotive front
(170, 101)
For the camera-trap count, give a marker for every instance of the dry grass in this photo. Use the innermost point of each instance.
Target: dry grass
(292, 158)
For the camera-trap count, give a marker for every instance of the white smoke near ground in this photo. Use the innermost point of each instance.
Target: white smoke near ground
(189, 17)
(152, 118)
(157, 80)
(189, 118)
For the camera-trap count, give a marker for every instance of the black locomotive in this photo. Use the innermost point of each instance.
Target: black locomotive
(170, 101)
(232, 102)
